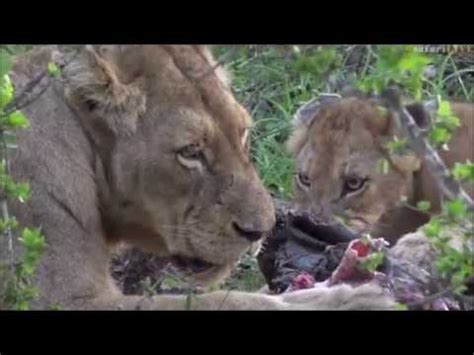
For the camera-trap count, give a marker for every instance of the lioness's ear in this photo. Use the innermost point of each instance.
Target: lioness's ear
(303, 119)
(95, 84)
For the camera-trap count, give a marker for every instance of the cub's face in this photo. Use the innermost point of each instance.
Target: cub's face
(340, 157)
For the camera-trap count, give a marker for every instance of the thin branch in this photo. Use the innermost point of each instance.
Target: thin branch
(433, 297)
(449, 186)
(223, 301)
(457, 73)
(41, 81)
(458, 77)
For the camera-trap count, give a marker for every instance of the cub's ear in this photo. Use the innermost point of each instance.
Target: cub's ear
(95, 85)
(306, 113)
(420, 114)
(407, 163)
(410, 162)
(303, 119)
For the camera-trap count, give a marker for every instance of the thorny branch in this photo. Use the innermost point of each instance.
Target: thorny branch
(449, 186)
(39, 84)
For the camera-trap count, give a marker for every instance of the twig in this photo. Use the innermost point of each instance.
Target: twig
(223, 301)
(24, 98)
(395, 263)
(458, 76)
(16, 103)
(433, 297)
(455, 74)
(367, 61)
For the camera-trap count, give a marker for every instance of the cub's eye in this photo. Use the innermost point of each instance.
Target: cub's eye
(303, 180)
(191, 156)
(354, 183)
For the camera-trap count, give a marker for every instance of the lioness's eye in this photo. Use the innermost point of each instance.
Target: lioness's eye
(191, 156)
(303, 180)
(191, 151)
(354, 183)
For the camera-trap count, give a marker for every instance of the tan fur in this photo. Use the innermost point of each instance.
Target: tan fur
(348, 137)
(102, 160)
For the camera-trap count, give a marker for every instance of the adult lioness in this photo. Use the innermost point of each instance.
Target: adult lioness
(147, 145)
(339, 144)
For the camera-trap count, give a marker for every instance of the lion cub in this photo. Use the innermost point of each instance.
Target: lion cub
(339, 143)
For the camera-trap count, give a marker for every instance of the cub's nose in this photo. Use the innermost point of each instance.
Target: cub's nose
(248, 232)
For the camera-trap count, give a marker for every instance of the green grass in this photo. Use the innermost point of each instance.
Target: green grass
(246, 277)
(272, 88)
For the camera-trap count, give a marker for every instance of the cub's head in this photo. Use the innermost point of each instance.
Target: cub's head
(173, 168)
(340, 148)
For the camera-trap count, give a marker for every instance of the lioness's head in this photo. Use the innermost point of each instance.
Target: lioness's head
(342, 158)
(174, 174)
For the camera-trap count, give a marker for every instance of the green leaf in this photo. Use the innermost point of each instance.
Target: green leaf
(397, 146)
(423, 206)
(53, 69)
(6, 92)
(10, 223)
(32, 239)
(445, 117)
(456, 208)
(413, 62)
(463, 171)
(372, 262)
(28, 268)
(433, 227)
(401, 307)
(18, 120)
(440, 136)
(444, 108)
(169, 282)
(23, 191)
(22, 306)
(450, 122)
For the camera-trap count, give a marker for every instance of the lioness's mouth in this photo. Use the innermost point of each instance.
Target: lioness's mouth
(195, 265)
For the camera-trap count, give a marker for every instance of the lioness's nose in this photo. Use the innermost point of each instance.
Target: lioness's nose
(248, 232)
